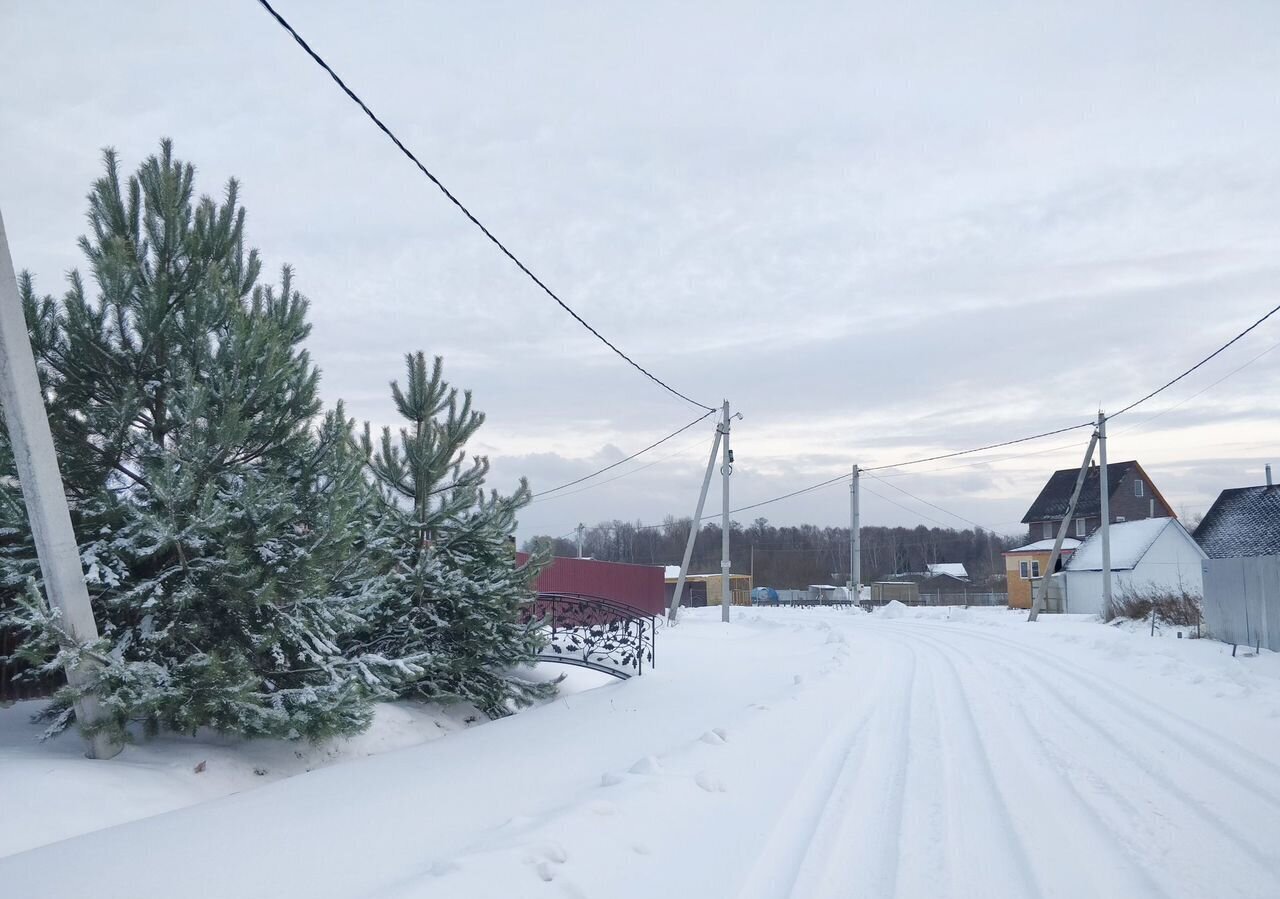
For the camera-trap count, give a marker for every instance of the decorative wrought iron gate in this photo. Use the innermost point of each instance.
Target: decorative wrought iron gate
(593, 632)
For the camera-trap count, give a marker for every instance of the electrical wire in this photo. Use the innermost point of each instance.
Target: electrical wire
(979, 449)
(627, 474)
(901, 506)
(657, 443)
(932, 505)
(465, 211)
(1206, 389)
(1207, 358)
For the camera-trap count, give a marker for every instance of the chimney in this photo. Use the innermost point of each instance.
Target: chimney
(1268, 474)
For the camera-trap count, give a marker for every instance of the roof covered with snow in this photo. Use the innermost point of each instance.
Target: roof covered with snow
(1054, 499)
(1130, 541)
(954, 569)
(1069, 544)
(1243, 521)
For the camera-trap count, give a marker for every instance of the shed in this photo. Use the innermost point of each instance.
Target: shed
(905, 592)
(1024, 566)
(1151, 554)
(709, 586)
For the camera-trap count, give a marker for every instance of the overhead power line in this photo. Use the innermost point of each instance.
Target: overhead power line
(979, 449)
(1018, 440)
(656, 443)
(409, 154)
(1219, 350)
(894, 502)
(927, 503)
(626, 474)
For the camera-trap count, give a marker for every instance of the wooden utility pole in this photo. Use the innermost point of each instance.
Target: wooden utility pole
(42, 490)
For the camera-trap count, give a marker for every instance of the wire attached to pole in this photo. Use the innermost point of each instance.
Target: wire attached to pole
(467, 212)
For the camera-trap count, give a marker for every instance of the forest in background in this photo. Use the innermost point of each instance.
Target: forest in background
(791, 556)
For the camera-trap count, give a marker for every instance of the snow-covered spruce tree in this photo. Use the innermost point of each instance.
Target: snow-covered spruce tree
(443, 623)
(221, 530)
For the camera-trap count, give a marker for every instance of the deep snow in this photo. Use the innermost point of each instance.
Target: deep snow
(793, 753)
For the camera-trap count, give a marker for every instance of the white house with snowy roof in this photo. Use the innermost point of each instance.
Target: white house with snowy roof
(1151, 554)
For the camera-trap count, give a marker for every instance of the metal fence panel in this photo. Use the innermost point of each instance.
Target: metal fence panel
(1242, 600)
(964, 599)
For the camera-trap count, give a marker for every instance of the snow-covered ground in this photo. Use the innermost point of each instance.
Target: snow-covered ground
(793, 753)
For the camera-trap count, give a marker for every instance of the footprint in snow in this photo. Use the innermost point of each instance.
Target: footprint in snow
(641, 849)
(546, 856)
(798, 680)
(604, 809)
(714, 737)
(553, 852)
(609, 779)
(441, 868)
(647, 765)
(709, 782)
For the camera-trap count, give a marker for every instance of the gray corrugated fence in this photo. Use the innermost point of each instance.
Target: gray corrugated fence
(1242, 600)
(964, 599)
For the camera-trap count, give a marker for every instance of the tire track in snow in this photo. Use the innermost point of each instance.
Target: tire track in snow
(1078, 829)
(1192, 732)
(1137, 758)
(1010, 870)
(809, 827)
(1189, 736)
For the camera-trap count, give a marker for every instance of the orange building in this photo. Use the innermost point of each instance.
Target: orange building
(1025, 566)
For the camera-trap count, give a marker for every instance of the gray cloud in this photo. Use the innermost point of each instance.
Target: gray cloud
(883, 232)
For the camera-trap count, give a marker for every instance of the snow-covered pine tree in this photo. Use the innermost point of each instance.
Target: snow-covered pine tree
(444, 622)
(221, 530)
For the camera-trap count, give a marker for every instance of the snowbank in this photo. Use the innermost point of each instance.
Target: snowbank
(63, 794)
(794, 752)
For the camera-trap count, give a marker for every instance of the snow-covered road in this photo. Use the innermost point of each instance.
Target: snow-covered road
(792, 754)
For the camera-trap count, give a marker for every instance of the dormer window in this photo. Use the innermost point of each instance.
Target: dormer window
(1138, 488)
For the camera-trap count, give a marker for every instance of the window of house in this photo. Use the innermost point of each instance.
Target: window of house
(1079, 527)
(1023, 569)
(1035, 568)
(1048, 530)
(1138, 487)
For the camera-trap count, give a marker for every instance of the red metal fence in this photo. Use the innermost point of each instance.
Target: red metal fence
(641, 586)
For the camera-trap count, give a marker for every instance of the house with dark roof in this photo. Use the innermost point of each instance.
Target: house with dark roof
(1133, 498)
(1242, 522)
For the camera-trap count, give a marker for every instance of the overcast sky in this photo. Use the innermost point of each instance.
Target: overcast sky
(882, 231)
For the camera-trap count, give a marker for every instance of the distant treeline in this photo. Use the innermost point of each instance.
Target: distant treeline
(791, 557)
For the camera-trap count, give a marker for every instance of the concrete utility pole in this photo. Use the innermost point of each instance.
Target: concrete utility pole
(693, 530)
(1039, 596)
(1104, 495)
(726, 469)
(42, 491)
(855, 541)
(580, 528)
